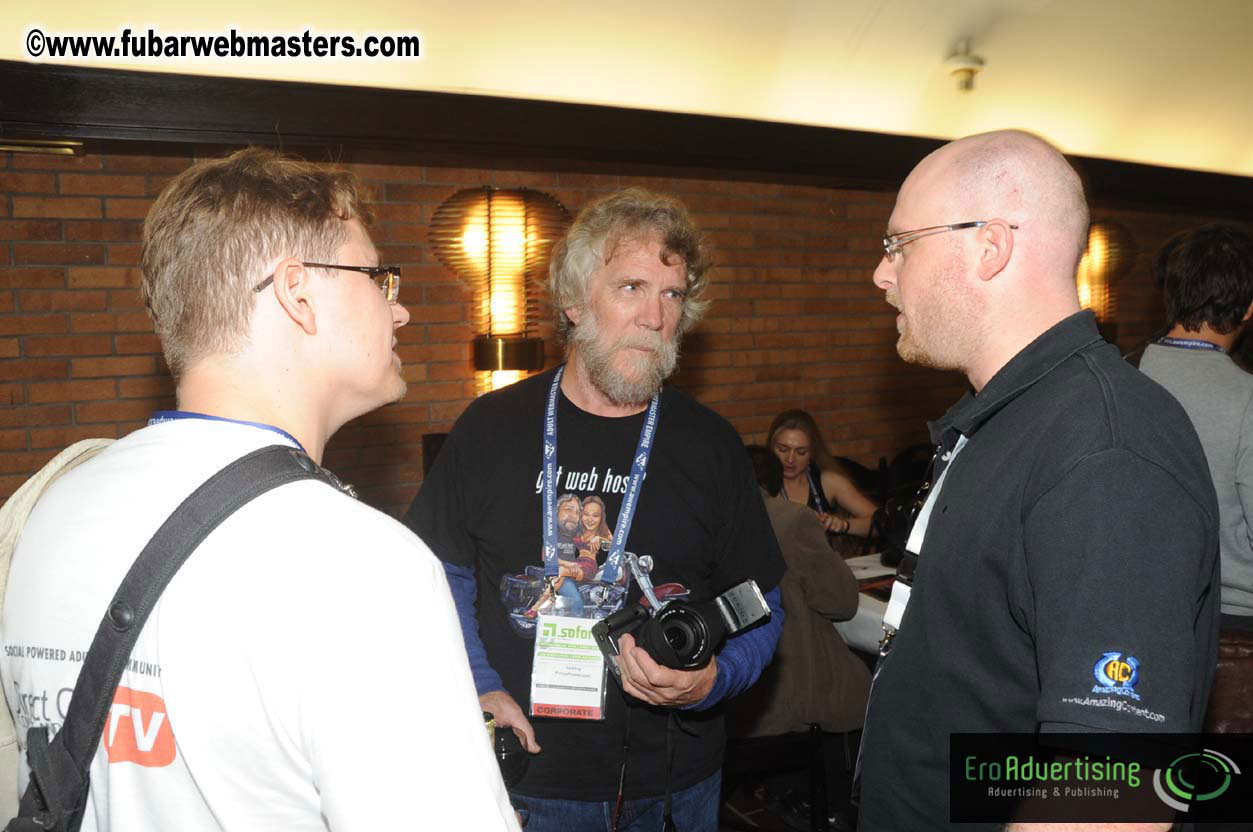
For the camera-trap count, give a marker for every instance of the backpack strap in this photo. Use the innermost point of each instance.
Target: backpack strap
(60, 770)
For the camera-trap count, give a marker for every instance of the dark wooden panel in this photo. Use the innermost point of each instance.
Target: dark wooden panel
(44, 101)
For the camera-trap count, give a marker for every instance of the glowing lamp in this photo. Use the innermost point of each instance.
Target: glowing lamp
(1109, 255)
(498, 242)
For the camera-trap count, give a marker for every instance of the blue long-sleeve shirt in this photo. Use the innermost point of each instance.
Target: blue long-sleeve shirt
(740, 661)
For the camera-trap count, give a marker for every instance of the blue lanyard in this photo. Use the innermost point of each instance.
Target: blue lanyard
(174, 415)
(1190, 344)
(613, 563)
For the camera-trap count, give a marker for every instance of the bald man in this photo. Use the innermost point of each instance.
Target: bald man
(1062, 573)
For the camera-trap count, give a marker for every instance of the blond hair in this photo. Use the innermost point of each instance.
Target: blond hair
(218, 226)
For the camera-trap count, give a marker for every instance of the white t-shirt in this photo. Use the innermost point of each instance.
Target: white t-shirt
(304, 670)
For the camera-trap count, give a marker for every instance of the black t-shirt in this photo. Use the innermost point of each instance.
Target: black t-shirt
(1078, 525)
(700, 518)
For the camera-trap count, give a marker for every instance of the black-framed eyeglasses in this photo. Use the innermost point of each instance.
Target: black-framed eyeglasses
(387, 278)
(893, 242)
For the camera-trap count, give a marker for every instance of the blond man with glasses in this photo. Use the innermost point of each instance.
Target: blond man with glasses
(304, 669)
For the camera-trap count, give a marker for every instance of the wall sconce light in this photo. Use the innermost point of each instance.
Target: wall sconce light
(1110, 254)
(498, 242)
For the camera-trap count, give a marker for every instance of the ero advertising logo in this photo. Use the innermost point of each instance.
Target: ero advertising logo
(1194, 778)
(1101, 778)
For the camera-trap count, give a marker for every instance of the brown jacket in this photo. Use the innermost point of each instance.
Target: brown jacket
(814, 677)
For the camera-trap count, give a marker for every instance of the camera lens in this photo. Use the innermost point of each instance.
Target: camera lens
(679, 635)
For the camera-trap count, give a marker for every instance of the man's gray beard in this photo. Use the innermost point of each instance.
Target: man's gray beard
(598, 362)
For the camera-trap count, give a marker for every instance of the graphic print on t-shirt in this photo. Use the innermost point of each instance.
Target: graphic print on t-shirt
(138, 729)
(584, 536)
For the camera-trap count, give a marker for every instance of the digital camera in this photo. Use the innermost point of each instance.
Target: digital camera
(682, 635)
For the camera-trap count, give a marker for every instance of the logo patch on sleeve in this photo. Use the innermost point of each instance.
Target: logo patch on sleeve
(1117, 673)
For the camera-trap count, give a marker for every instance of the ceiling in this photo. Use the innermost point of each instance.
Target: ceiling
(1156, 81)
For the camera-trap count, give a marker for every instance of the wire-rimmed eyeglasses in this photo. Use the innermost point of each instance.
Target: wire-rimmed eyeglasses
(893, 242)
(387, 278)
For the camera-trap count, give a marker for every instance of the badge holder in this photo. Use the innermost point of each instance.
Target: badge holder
(899, 600)
(568, 675)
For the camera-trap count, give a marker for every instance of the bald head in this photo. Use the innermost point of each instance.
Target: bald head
(972, 299)
(1017, 176)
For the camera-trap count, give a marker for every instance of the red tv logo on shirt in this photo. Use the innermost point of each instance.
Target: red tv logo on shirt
(138, 729)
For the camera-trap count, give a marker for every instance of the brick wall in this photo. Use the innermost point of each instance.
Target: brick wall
(795, 321)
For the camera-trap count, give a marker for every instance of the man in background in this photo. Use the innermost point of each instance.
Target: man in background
(1206, 277)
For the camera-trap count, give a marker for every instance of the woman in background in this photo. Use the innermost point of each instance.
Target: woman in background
(814, 677)
(812, 476)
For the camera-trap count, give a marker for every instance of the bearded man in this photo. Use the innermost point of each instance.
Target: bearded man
(626, 283)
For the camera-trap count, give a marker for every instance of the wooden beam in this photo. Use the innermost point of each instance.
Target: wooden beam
(70, 102)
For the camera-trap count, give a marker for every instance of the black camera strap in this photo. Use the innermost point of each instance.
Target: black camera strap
(56, 796)
(626, 754)
(667, 809)
(674, 722)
